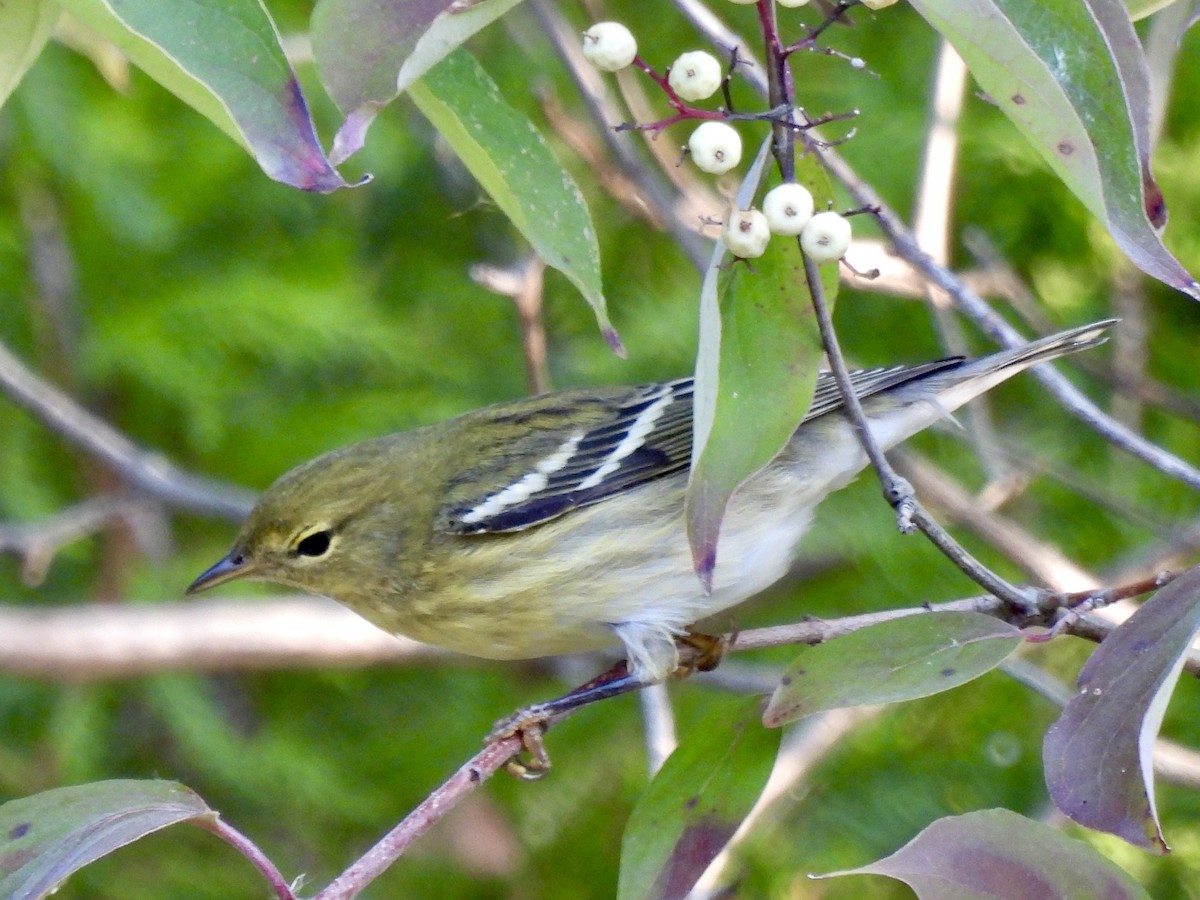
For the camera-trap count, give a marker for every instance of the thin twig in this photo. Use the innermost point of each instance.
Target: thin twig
(1088, 626)
(896, 490)
(780, 93)
(522, 283)
(1043, 561)
(147, 471)
(36, 543)
(392, 845)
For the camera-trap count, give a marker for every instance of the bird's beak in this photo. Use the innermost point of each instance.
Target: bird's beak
(234, 565)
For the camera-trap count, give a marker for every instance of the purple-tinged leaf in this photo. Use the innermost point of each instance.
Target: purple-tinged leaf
(696, 802)
(224, 59)
(756, 367)
(1072, 77)
(24, 30)
(370, 51)
(1097, 756)
(901, 659)
(46, 837)
(995, 854)
(515, 165)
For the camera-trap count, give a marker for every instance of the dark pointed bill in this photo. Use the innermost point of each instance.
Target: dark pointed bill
(228, 568)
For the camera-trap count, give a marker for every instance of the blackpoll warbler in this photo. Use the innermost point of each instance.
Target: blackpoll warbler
(555, 523)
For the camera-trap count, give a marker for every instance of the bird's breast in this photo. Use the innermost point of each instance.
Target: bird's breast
(565, 585)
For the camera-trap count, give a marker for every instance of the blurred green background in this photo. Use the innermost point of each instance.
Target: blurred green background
(241, 327)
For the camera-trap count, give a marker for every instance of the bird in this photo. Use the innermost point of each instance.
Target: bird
(555, 523)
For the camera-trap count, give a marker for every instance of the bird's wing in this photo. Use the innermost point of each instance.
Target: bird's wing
(867, 382)
(572, 450)
(563, 455)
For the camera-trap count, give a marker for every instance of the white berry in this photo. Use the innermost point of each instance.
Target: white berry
(788, 208)
(609, 46)
(875, 4)
(746, 233)
(715, 147)
(695, 75)
(826, 237)
(797, 2)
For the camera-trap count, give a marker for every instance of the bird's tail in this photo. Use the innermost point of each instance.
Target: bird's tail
(936, 391)
(956, 385)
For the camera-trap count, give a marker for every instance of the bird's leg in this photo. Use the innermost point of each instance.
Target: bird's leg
(697, 653)
(532, 721)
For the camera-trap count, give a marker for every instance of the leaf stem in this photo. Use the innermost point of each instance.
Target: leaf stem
(251, 851)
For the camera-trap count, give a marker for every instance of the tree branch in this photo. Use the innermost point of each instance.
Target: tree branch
(474, 772)
(1043, 561)
(112, 640)
(36, 543)
(97, 641)
(147, 471)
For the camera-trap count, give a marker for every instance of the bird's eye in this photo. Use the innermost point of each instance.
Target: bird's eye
(314, 544)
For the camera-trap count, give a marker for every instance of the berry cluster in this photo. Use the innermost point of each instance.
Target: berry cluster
(716, 147)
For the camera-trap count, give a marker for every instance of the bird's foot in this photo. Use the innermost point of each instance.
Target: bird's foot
(699, 652)
(532, 762)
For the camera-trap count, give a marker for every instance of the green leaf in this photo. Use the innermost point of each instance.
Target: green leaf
(901, 659)
(24, 29)
(46, 837)
(1139, 9)
(696, 802)
(224, 59)
(515, 165)
(995, 854)
(1098, 754)
(756, 369)
(1072, 77)
(370, 51)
